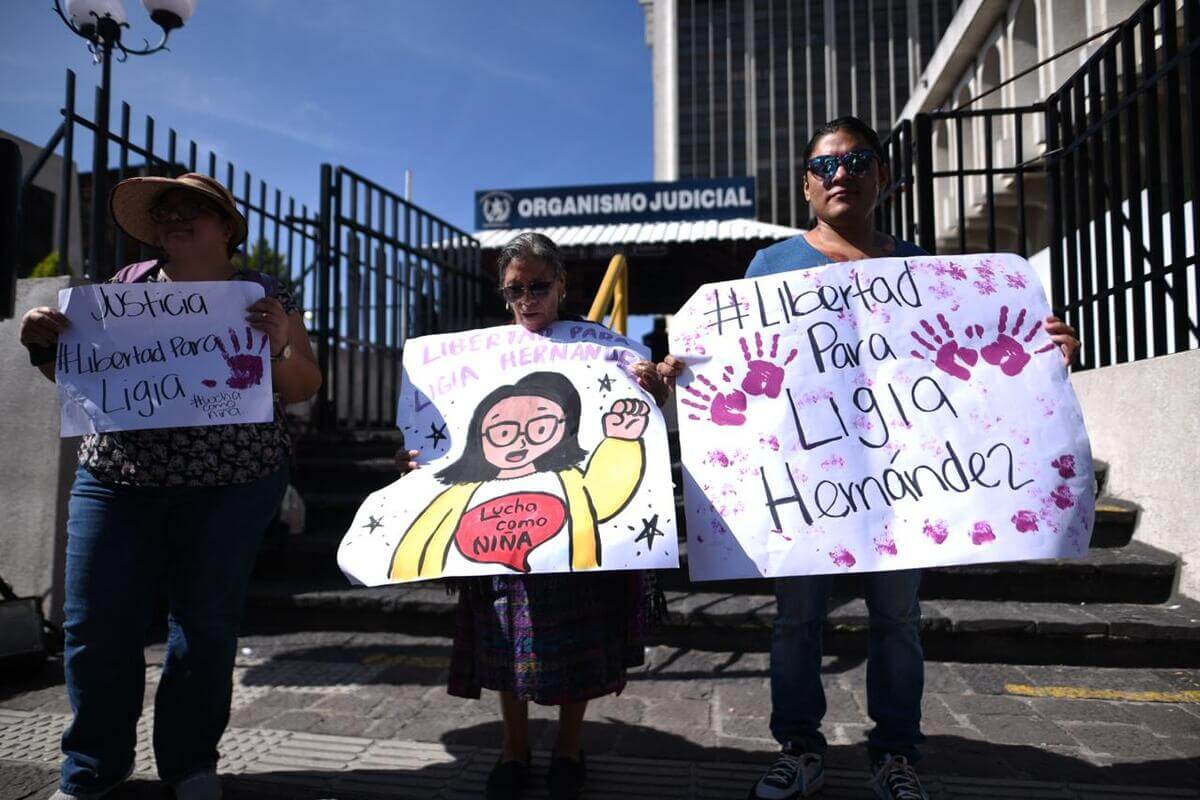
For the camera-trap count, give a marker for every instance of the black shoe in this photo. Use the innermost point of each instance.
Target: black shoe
(895, 779)
(507, 779)
(566, 777)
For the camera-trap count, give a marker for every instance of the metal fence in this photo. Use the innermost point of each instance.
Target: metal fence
(389, 270)
(370, 268)
(1096, 184)
(1125, 162)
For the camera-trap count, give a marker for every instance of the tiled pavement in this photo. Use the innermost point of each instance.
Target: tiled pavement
(338, 715)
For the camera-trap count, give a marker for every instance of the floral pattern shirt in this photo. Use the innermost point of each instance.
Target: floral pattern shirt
(214, 455)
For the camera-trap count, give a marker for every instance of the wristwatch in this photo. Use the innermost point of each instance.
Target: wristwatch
(284, 354)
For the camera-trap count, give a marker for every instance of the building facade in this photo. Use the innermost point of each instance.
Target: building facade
(740, 84)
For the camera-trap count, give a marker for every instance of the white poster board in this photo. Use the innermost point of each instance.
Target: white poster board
(878, 415)
(161, 355)
(540, 453)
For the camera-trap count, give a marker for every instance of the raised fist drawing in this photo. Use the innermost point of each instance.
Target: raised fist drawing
(627, 419)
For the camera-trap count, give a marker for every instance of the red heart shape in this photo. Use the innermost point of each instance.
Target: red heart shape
(506, 530)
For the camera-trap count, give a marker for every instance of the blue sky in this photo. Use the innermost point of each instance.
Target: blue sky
(469, 95)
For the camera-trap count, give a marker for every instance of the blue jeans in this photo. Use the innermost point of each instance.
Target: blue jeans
(895, 662)
(124, 545)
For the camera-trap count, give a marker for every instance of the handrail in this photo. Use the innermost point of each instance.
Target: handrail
(613, 295)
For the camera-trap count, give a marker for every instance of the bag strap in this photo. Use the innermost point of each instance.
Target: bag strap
(135, 272)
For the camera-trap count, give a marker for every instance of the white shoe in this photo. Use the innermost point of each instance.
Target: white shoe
(201, 786)
(895, 779)
(792, 775)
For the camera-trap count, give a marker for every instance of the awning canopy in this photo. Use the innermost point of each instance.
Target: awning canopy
(634, 233)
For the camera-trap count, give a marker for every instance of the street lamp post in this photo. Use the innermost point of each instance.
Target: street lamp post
(101, 22)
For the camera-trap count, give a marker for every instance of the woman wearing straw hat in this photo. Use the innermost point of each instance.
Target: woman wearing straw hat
(184, 507)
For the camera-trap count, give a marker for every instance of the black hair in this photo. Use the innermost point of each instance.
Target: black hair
(855, 126)
(471, 466)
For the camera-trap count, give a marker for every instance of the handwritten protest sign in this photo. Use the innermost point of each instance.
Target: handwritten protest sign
(161, 355)
(878, 415)
(540, 453)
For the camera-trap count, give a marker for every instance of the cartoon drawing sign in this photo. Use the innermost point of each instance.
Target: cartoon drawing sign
(161, 355)
(540, 454)
(878, 415)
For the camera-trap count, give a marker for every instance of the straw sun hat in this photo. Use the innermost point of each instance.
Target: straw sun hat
(132, 199)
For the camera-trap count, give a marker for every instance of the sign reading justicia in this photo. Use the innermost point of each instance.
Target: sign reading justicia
(715, 198)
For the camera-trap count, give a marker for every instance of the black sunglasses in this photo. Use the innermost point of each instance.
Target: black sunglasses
(856, 162)
(515, 291)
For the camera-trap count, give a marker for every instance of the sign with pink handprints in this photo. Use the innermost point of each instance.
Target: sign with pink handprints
(161, 355)
(878, 415)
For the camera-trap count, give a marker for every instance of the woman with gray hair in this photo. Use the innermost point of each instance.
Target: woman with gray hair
(558, 640)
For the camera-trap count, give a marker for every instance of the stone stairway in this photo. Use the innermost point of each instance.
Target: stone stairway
(1115, 607)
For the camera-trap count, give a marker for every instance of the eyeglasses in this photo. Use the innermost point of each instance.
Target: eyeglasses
(856, 162)
(538, 430)
(515, 291)
(182, 210)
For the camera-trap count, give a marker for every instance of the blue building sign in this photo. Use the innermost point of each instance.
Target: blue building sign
(715, 198)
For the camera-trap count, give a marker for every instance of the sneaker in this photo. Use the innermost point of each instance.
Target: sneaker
(895, 779)
(506, 781)
(566, 777)
(201, 786)
(65, 795)
(792, 775)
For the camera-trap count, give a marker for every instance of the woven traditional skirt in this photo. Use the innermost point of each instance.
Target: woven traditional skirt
(552, 639)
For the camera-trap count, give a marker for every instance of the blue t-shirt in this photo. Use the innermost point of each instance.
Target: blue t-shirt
(797, 253)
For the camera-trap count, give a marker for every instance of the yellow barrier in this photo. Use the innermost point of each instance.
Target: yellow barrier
(614, 295)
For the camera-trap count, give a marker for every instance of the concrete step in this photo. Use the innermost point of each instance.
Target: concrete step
(1135, 573)
(1116, 521)
(1091, 634)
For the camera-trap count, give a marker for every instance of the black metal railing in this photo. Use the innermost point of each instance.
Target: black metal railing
(1123, 168)
(370, 268)
(943, 197)
(390, 270)
(1096, 184)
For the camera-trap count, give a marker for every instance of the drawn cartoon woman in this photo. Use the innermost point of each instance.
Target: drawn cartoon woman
(518, 483)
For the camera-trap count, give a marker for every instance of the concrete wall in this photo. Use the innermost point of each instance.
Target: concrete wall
(37, 467)
(1144, 420)
(50, 179)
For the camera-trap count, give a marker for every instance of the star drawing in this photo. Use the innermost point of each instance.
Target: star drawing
(373, 524)
(649, 531)
(436, 434)
(606, 383)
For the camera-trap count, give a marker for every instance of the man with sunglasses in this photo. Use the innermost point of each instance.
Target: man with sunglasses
(844, 175)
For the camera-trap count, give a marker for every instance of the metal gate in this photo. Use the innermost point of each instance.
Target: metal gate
(387, 270)
(1097, 184)
(371, 269)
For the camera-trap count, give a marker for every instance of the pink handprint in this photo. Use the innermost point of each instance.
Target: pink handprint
(245, 368)
(948, 352)
(1065, 464)
(763, 377)
(1006, 352)
(723, 408)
